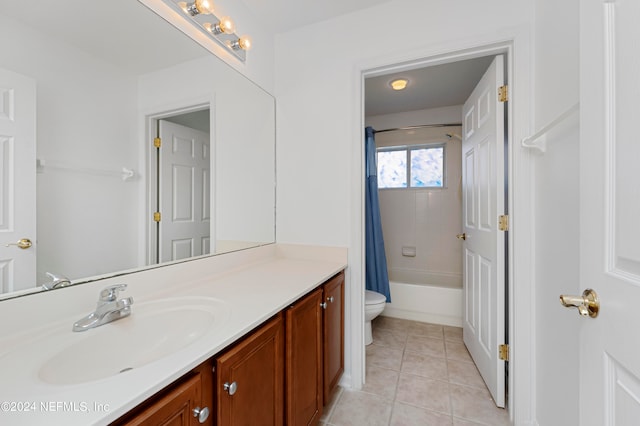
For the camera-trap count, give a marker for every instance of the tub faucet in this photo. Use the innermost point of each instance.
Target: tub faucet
(109, 308)
(57, 281)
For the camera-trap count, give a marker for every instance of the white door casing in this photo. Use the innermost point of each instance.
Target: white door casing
(484, 250)
(17, 180)
(184, 192)
(610, 209)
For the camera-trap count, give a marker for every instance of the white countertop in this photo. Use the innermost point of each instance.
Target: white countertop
(253, 284)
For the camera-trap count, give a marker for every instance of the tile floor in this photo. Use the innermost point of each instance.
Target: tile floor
(417, 374)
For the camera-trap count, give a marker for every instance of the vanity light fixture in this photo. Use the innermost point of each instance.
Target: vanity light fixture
(399, 84)
(222, 30)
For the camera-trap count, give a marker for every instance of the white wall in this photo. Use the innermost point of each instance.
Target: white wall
(319, 114)
(556, 204)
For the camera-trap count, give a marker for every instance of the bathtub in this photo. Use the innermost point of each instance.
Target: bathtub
(425, 296)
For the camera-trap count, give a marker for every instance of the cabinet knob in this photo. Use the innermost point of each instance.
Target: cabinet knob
(231, 388)
(330, 299)
(201, 413)
(323, 305)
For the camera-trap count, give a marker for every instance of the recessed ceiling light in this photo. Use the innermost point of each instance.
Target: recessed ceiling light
(399, 84)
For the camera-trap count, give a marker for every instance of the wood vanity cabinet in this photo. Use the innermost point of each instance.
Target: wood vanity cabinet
(333, 334)
(303, 351)
(249, 378)
(179, 404)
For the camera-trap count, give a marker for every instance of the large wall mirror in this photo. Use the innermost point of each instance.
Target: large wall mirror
(85, 90)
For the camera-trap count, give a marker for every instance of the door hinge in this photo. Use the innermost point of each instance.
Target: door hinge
(503, 352)
(157, 142)
(503, 222)
(503, 93)
(156, 217)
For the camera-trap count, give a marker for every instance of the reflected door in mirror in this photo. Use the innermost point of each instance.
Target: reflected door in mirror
(184, 192)
(17, 180)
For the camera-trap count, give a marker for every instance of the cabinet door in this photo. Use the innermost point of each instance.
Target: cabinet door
(249, 379)
(304, 360)
(174, 408)
(333, 333)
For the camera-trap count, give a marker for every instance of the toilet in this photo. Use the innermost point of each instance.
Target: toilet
(374, 305)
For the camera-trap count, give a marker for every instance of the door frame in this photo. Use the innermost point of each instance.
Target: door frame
(515, 44)
(150, 120)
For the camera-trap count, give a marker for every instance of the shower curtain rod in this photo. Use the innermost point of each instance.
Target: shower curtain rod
(418, 127)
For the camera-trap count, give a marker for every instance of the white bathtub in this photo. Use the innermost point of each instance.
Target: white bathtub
(425, 296)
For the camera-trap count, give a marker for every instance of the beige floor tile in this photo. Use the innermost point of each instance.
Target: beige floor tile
(476, 405)
(423, 392)
(391, 338)
(426, 329)
(381, 381)
(331, 405)
(425, 345)
(453, 333)
(424, 365)
(360, 408)
(464, 373)
(407, 415)
(457, 351)
(389, 323)
(385, 357)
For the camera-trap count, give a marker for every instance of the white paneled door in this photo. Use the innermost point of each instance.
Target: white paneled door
(482, 203)
(610, 212)
(184, 192)
(17, 181)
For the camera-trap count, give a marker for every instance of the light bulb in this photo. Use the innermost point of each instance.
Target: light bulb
(226, 25)
(204, 6)
(198, 7)
(243, 43)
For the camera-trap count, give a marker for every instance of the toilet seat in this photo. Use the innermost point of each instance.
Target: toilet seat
(374, 298)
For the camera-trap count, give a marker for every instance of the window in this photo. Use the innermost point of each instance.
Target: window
(422, 166)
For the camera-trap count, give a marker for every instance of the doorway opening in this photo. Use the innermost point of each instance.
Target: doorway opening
(434, 277)
(179, 190)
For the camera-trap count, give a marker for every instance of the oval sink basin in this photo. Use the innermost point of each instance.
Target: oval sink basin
(152, 331)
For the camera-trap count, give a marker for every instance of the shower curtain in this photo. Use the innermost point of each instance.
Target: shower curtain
(377, 277)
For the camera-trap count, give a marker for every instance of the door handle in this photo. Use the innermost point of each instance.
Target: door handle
(23, 243)
(462, 236)
(588, 304)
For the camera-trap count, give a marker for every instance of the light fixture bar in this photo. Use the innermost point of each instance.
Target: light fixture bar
(220, 29)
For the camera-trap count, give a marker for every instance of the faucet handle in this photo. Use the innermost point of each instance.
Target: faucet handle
(110, 294)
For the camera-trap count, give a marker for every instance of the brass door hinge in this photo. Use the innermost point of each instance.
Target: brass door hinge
(156, 217)
(503, 222)
(503, 352)
(503, 93)
(157, 142)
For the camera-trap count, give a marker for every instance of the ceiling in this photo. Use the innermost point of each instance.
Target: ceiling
(431, 87)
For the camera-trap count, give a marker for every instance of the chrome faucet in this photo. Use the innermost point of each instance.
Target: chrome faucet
(109, 308)
(57, 281)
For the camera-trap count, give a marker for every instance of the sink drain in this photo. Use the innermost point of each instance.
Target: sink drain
(126, 369)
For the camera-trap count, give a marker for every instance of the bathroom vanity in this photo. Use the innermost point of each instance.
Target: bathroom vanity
(271, 346)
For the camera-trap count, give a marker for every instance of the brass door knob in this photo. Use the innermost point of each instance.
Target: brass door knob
(588, 304)
(23, 243)
(462, 236)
